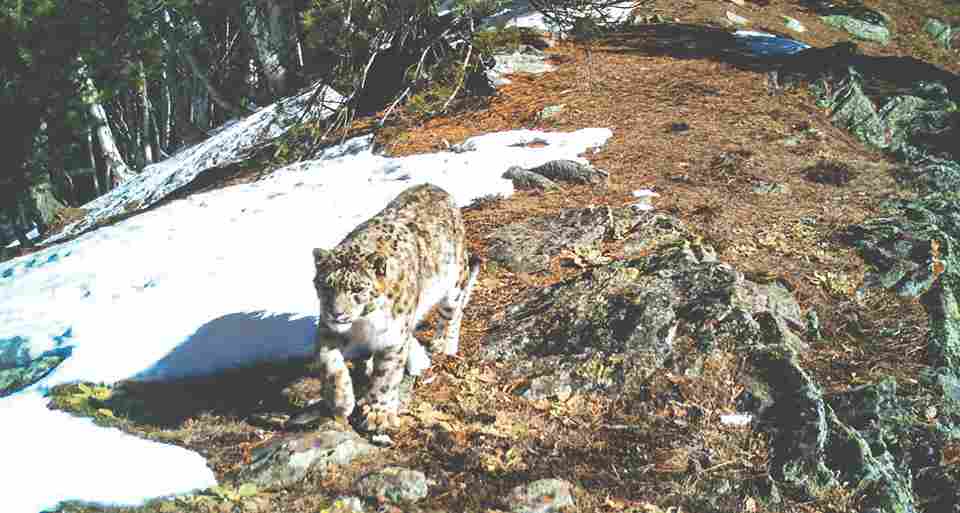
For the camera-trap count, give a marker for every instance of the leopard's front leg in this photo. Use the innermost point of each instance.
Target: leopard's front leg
(381, 407)
(337, 385)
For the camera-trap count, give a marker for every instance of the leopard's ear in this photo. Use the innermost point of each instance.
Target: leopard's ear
(378, 263)
(321, 257)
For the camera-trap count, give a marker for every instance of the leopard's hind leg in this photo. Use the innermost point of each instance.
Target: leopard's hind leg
(447, 335)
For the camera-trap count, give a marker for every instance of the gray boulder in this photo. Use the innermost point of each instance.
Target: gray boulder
(394, 484)
(571, 171)
(284, 461)
(859, 28)
(523, 179)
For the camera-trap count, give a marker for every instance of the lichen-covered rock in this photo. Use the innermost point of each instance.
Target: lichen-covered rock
(571, 171)
(523, 179)
(910, 120)
(812, 446)
(18, 369)
(942, 32)
(284, 461)
(394, 484)
(608, 329)
(862, 29)
(542, 496)
(913, 250)
(797, 419)
(529, 245)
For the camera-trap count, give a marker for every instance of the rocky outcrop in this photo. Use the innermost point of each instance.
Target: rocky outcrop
(609, 329)
(528, 246)
(286, 460)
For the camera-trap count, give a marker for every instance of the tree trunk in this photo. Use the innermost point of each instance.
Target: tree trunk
(146, 125)
(117, 170)
(99, 185)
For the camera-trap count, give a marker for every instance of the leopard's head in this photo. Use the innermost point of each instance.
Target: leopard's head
(347, 284)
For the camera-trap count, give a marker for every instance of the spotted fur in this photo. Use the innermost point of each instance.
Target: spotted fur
(377, 284)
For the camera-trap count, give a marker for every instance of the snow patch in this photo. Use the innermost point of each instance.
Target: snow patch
(228, 144)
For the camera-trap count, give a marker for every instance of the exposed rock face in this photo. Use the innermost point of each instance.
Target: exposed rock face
(286, 460)
(609, 328)
(900, 122)
(529, 245)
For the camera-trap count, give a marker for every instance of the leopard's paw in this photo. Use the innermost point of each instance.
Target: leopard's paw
(378, 418)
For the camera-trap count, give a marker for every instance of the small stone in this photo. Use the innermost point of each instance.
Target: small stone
(794, 24)
(571, 171)
(523, 179)
(543, 496)
(551, 111)
(737, 20)
(394, 484)
(771, 188)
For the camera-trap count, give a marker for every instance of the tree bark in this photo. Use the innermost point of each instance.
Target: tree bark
(98, 184)
(146, 124)
(117, 169)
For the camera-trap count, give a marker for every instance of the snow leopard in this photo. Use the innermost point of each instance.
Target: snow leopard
(375, 287)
